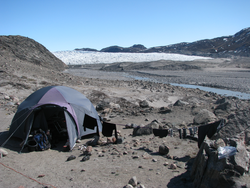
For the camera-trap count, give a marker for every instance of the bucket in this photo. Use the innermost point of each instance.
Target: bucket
(32, 145)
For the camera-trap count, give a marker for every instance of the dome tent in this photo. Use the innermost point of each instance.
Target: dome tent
(48, 107)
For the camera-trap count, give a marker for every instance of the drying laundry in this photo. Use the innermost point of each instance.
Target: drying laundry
(209, 130)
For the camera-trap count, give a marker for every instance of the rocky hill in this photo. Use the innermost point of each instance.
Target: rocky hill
(225, 46)
(15, 48)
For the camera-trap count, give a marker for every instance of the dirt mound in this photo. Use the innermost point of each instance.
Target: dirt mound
(14, 48)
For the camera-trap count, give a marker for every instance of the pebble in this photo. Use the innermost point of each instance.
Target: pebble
(135, 157)
(72, 157)
(128, 186)
(133, 181)
(165, 164)
(154, 160)
(140, 186)
(3, 152)
(173, 166)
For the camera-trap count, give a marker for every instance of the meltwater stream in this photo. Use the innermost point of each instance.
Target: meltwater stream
(215, 90)
(208, 89)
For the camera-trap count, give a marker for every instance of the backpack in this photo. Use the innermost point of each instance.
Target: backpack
(42, 140)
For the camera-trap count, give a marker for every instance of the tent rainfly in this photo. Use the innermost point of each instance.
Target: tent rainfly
(56, 107)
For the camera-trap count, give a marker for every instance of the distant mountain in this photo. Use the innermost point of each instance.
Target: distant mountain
(226, 46)
(26, 49)
(86, 49)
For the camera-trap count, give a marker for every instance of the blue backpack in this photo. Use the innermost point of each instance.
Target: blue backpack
(42, 140)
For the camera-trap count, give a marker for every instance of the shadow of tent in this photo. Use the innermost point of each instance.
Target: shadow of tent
(13, 143)
(183, 180)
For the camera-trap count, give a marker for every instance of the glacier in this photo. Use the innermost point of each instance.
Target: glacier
(74, 57)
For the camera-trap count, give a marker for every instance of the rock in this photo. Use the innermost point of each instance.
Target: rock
(164, 110)
(241, 159)
(144, 104)
(165, 164)
(3, 152)
(102, 105)
(180, 103)
(209, 171)
(163, 149)
(204, 116)
(113, 105)
(154, 160)
(14, 99)
(133, 181)
(140, 186)
(135, 157)
(247, 137)
(128, 186)
(139, 131)
(173, 166)
(6, 97)
(225, 106)
(72, 157)
(221, 101)
(219, 143)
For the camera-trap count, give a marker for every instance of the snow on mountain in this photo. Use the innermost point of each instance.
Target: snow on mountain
(83, 57)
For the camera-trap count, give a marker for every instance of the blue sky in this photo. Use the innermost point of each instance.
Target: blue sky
(66, 25)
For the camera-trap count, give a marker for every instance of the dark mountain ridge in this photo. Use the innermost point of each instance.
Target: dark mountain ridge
(225, 46)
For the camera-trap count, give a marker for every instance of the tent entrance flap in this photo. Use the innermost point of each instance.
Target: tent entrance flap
(71, 128)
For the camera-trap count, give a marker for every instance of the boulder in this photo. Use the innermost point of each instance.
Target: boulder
(147, 129)
(204, 116)
(210, 172)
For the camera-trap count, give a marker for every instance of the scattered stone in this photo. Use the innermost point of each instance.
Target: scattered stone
(133, 181)
(6, 97)
(144, 104)
(164, 110)
(204, 116)
(119, 140)
(163, 149)
(3, 152)
(72, 157)
(140, 186)
(173, 166)
(41, 175)
(219, 143)
(115, 153)
(165, 164)
(180, 103)
(135, 156)
(85, 158)
(169, 157)
(154, 160)
(128, 186)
